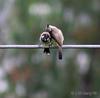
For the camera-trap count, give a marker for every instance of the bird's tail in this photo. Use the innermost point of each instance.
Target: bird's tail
(60, 53)
(47, 51)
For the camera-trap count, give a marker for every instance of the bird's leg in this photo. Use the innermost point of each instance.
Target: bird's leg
(47, 50)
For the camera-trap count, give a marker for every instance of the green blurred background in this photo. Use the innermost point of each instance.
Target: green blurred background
(28, 73)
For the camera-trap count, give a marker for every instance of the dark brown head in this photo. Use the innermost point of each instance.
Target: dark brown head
(45, 37)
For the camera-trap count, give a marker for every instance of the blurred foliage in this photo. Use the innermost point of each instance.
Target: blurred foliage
(28, 73)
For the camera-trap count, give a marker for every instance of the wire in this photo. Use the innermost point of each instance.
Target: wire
(40, 46)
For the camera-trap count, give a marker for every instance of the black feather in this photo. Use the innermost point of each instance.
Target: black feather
(46, 50)
(47, 25)
(60, 53)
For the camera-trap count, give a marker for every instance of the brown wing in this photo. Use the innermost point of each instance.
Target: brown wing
(56, 37)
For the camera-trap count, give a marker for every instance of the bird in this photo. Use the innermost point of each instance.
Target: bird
(57, 36)
(45, 40)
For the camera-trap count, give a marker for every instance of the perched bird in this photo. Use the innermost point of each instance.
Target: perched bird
(45, 39)
(57, 35)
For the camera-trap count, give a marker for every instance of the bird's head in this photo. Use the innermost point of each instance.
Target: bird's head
(45, 37)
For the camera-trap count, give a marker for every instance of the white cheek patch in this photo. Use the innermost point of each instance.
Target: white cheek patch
(47, 38)
(42, 36)
(44, 39)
